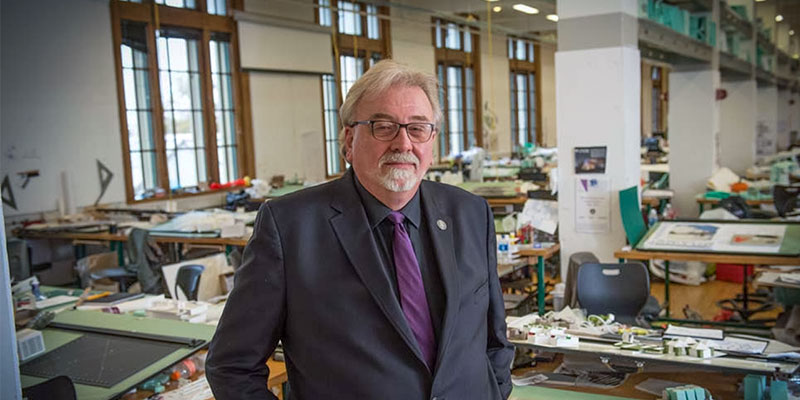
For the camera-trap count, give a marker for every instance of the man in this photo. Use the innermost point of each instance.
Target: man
(379, 285)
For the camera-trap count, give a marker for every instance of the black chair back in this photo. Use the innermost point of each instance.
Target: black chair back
(58, 388)
(620, 289)
(737, 206)
(188, 280)
(785, 198)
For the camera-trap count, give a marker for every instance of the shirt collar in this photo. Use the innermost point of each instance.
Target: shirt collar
(377, 211)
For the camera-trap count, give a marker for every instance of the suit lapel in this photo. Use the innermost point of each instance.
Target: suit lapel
(440, 226)
(351, 227)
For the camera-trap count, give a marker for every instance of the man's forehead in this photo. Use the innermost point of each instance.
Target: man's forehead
(403, 96)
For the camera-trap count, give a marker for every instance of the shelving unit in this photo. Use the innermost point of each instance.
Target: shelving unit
(667, 45)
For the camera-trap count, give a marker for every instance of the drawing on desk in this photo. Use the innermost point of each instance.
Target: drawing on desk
(755, 240)
(686, 235)
(729, 237)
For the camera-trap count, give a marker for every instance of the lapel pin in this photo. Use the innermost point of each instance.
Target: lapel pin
(441, 224)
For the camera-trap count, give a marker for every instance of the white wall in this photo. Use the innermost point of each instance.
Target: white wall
(767, 121)
(737, 136)
(693, 133)
(548, 93)
(784, 120)
(287, 125)
(495, 92)
(58, 105)
(411, 40)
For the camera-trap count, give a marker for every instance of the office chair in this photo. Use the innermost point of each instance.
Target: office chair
(737, 206)
(188, 280)
(58, 388)
(620, 289)
(786, 199)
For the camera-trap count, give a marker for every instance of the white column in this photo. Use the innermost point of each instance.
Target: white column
(767, 122)
(693, 134)
(737, 138)
(9, 363)
(782, 140)
(597, 104)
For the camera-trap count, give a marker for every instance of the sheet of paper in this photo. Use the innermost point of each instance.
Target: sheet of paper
(592, 205)
(674, 330)
(741, 345)
(54, 301)
(541, 214)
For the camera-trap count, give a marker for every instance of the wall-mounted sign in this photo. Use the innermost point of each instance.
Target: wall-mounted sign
(590, 160)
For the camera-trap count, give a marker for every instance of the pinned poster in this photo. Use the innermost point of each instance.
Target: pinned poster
(592, 205)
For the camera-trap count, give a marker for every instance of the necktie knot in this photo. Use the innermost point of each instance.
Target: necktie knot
(396, 217)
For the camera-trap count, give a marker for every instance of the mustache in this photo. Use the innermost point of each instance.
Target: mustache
(398, 158)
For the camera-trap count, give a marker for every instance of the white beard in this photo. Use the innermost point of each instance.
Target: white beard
(398, 179)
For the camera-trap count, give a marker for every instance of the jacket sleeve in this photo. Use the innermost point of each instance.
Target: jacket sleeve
(253, 319)
(499, 350)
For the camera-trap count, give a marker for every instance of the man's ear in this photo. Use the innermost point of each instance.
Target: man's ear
(349, 133)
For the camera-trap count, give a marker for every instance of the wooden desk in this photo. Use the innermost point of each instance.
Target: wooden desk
(539, 255)
(723, 258)
(702, 201)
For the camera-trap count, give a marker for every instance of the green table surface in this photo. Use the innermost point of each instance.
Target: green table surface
(54, 338)
(544, 393)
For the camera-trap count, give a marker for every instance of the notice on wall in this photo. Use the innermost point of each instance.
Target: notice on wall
(590, 160)
(592, 205)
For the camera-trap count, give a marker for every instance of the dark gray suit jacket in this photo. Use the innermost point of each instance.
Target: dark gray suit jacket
(310, 278)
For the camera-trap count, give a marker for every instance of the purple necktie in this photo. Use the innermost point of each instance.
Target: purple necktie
(412, 291)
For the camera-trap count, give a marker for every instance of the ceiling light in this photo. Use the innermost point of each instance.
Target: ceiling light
(552, 17)
(525, 8)
(492, 1)
(778, 18)
(760, 1)
(796, 56)
(497, 8)
(791, 32)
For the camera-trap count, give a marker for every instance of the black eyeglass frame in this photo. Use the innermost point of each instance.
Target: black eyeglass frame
(371, 124)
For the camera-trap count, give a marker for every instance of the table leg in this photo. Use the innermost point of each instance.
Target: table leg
(540, 283)
(745, 314)
(701, 207)
(666, 286)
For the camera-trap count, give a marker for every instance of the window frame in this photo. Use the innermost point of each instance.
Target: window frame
(358, 46)
(447, 57)
(527, 67)
(205, 24)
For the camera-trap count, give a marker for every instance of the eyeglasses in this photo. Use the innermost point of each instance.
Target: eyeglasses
(386, 131)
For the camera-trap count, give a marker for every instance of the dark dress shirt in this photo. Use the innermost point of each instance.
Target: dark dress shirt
(417, 228)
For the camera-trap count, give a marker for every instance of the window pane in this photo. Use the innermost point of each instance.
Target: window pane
(442, 96)
(438, 34)
(455, 110)
(467, 40)
(532, 106)
(350, 69)
(520, 50)
(349, 18)
(138, 111)
(453, 37)
(187, 167)
(178, 3)
(183, 111)
(216, 7)
(510, 48)
(522, 114)
(470, 109)
(330, 116)
(325, 12)
(531, 52)
(514, 110)
(373, 27)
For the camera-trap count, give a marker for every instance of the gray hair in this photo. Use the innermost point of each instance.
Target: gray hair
(380, 77)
